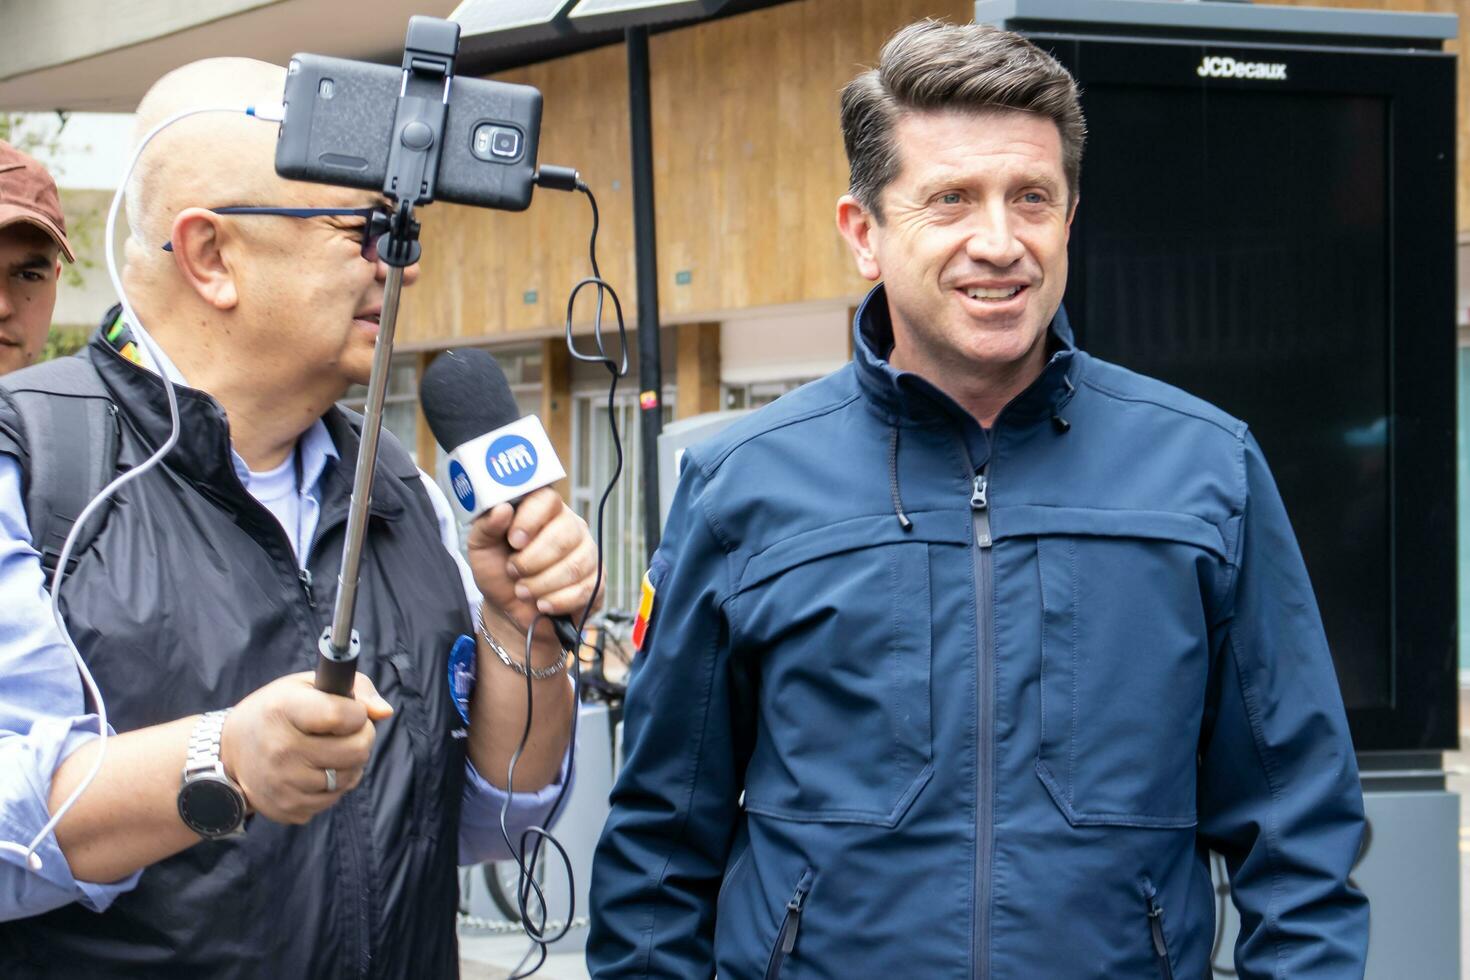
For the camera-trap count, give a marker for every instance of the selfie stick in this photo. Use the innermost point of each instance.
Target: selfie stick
(413, 164)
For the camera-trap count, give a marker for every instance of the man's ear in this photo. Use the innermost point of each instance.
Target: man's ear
(198, 238)
(860, 229)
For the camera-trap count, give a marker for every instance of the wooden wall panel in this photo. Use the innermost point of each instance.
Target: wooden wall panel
(748, 165)
(555, 410)
(698, 371)
(479, 264)
(748, 159)
(425, 446)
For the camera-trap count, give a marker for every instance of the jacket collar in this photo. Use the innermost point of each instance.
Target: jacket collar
(902, 396)
(203, 454)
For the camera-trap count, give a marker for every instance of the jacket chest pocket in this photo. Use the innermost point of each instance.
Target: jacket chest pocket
(837, 624)
(1124, 662)
(426, 749)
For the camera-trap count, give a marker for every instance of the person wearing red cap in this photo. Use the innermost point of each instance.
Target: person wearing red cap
(32, 242)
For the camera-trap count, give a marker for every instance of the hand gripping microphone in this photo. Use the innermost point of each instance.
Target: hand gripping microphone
(495, 455)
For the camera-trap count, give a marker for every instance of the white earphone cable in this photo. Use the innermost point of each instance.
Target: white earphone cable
(32, 859)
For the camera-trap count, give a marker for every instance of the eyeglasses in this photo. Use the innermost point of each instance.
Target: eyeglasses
(375, 222)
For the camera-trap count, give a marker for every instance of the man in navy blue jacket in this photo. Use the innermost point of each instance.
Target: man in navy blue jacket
(962, 659)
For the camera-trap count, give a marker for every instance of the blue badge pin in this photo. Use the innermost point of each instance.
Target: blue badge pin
(462, 675)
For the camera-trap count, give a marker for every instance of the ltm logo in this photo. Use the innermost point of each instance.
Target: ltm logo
(464, 490)
(511, 460)
(1212, 67)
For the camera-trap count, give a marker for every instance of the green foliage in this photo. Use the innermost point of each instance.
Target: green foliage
(30, 139)
(62, 342)
(43, 142)
(82, 230)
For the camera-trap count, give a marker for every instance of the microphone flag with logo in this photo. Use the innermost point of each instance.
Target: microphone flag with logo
(495, 454)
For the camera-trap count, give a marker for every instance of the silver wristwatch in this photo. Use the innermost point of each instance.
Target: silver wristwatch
(210, 803)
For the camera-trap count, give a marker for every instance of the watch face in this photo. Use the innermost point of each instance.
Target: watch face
(211, 807)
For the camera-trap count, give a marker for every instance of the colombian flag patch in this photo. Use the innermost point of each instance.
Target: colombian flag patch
(645, 612)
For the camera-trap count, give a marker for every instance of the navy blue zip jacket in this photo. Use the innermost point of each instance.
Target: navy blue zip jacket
(923, 700)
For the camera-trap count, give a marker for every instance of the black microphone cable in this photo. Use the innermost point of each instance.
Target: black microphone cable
(533, 838)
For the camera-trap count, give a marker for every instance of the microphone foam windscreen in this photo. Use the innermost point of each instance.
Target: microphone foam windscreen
(465, 395)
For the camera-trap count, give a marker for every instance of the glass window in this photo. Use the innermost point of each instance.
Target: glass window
(759, 393)
(624, 554)
(400, 404)
(593, 457)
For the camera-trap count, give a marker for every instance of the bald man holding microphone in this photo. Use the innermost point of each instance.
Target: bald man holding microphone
(198, 605)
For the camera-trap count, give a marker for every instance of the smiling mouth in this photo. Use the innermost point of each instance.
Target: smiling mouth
(994, 295)
(368, 317)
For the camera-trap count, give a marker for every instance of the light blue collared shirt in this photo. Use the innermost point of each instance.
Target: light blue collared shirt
(43, 715)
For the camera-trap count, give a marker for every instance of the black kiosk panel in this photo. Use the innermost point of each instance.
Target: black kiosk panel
(1272, 228)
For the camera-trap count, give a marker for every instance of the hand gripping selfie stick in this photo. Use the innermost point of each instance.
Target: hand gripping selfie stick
(413, 163)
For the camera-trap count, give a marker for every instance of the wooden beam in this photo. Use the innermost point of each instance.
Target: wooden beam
(556, 404)
(425, 447)
(698, 370)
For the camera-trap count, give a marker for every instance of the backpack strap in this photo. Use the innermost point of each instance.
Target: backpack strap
(71, 431)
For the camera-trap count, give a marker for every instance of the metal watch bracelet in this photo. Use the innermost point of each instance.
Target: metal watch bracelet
(204, 743)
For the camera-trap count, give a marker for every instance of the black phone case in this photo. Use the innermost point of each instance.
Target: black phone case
(340, 133)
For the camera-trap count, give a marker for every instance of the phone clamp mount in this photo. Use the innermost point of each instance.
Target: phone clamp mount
(413, 165)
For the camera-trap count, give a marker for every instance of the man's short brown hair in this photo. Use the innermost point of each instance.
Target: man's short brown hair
(932, 66)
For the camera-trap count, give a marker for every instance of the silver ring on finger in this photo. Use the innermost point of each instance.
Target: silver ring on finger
(331, 780)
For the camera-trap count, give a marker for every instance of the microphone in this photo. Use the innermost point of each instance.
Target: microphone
(496, 455)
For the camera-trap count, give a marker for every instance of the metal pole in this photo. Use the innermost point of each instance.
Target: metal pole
(367, 455)
(645, 256)
(339, 644)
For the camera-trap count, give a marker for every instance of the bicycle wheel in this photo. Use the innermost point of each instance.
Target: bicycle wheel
(502, 878)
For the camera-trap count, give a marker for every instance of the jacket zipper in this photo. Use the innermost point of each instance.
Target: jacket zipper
(985, 749)
(985, 643)
(353, 850)
(786, 938)
(980, 504)
(1156, 930)
(298, 564)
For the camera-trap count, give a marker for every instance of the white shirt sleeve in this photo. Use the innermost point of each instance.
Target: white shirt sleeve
(43, 719)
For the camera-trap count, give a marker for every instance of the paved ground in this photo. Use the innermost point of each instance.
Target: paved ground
(1461, 784)
(1457, 764)
(493, 957)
